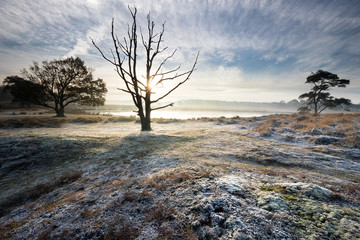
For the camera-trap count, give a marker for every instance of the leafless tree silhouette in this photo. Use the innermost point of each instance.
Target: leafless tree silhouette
(125, 59)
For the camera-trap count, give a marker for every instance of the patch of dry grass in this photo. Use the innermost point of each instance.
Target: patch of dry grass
(342, 191)
(8, 227)
(130, 196)
(165, 120)
(348, 191)
(121, 119)
(266, 127)
(122, 229)
(31, 122)
(47, 121)
(160, 213)
(87, 120)
(345, 125)
(163, 215)
(54, 122)
(331, 119)
(89, 214)
(33, 193)
(173, 177)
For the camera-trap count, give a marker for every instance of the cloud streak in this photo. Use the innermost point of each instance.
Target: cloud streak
(258, 44)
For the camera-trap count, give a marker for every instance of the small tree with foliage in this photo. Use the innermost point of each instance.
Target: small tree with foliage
(56, 84)
(319, 97)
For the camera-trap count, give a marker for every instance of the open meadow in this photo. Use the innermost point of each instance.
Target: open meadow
(98, 177)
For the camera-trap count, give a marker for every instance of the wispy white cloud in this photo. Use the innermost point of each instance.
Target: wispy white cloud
(247, 44)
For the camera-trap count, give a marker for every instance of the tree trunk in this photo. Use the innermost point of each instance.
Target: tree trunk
(145, 124)
(147, 119)
(59, 111)
(316, 110)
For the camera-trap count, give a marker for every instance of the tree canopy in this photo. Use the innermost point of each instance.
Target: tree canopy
(319, 97)
(56, 84)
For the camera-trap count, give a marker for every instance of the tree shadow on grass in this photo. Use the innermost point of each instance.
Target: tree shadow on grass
(32, 166)
(143, 144)
(138, 154)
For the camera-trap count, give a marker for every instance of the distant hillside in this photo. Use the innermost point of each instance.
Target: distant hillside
(292, 105)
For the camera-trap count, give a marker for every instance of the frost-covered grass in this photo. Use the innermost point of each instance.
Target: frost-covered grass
(339, 129)
(94, 177)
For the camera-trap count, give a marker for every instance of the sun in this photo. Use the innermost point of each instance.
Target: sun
(154, 84)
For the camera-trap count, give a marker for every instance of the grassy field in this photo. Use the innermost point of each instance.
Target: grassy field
(99, 177)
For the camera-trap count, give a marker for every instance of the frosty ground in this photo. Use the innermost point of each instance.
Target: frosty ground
(97, 177)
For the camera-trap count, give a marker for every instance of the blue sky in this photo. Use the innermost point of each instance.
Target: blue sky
(249, 50)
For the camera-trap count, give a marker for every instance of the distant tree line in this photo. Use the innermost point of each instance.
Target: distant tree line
(290, 105)
(293, 104)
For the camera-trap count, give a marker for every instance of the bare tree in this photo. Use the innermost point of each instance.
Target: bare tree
(125, 60)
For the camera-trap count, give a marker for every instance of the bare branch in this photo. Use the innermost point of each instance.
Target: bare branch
(102, 54)
(169, 105)
(157, 51)
(170, 71)
(162, 64)
(124, 90)
(324, 107)
(174, 77)
(180, 83)
(119, 68)
(143, 40)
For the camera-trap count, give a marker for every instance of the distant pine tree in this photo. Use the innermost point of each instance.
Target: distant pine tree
(319, 97)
